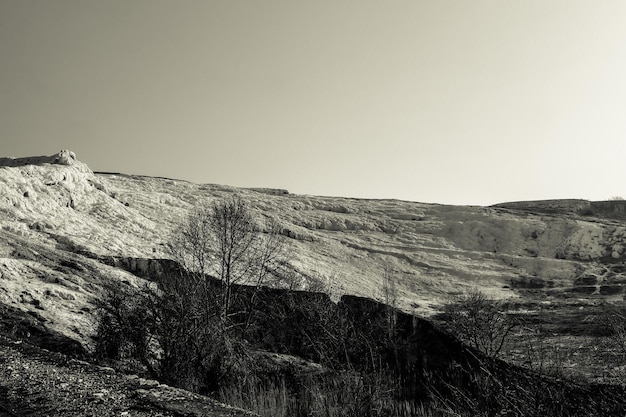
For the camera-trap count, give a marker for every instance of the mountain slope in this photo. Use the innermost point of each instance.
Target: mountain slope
(433, 251)
(66, 233)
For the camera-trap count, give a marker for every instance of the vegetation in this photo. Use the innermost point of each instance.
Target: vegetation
(189, 328)
(480, 322)
(616, 322)
(212, 326)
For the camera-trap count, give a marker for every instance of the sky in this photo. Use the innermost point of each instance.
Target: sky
(439, 101)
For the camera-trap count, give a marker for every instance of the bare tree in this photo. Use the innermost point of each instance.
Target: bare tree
(390, 298)
(223, 240)
(195, 318)
(480, 322)
(233, 239)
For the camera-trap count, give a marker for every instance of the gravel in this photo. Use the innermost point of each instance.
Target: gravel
(36, 382)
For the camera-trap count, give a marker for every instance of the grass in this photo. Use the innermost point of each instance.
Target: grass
(337, 395)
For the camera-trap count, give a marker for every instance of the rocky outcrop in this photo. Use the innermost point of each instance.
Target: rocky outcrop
(565, 206)
(610, 209)
(614, 209)
(64, 157)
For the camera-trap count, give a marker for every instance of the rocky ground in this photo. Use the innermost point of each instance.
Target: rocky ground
(36, 382)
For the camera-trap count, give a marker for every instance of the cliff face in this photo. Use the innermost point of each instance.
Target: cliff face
(66, 230)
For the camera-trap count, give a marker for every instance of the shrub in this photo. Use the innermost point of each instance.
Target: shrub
(480, 322)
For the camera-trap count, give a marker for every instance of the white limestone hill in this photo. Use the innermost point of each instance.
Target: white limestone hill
(65, 230)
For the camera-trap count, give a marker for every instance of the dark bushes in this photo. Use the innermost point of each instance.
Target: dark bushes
(367, 370)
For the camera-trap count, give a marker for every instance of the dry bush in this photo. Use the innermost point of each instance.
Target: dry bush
(615, 322)
(125, 327)
(480, 322)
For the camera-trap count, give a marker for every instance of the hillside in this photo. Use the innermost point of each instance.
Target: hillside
(66, 232)
(59, 207)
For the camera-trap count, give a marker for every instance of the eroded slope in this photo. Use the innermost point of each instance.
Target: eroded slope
(59, 220)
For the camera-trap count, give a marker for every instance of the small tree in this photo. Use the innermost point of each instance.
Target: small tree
(125, 328)
(480, 322)
(221, 249)
(195, 319)
(223, 240)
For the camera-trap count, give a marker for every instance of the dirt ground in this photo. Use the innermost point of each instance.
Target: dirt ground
(36, 382)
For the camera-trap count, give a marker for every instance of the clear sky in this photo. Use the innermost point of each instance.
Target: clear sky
(455, 102)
